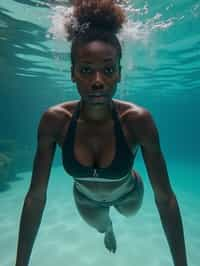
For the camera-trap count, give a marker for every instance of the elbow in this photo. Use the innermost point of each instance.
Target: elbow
(35, 199)
(168, 200)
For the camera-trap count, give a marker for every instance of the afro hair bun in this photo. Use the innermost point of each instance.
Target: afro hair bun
(95, 14)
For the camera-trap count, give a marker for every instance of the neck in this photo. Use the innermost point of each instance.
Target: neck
(98, 113)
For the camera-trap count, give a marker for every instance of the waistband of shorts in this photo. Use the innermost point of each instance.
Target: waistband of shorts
(105, 202)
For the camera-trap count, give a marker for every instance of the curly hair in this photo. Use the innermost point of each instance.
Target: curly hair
(95, 20)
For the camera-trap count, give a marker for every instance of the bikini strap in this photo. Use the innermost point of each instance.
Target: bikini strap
(118, 127)
(73, 122)
(121, 142)
(75, 114)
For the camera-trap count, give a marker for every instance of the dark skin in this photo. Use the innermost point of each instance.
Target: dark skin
(97, 70)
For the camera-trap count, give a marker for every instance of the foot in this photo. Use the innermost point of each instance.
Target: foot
(110, 241)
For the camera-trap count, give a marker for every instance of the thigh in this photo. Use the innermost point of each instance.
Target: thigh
(94, 213)
(130, 203)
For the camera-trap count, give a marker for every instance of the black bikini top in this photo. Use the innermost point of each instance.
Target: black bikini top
(120, 166)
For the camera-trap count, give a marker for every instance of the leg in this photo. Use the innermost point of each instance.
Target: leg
(96, 216)
(131, 203)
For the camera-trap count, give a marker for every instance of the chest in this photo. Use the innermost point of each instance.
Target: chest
(97, 145)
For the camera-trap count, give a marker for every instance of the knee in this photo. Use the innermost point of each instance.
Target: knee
(102, 226)
(101, 230)
(127, 212)
(132, 205)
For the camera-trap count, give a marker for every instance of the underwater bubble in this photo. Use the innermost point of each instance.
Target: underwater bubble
(61, 16)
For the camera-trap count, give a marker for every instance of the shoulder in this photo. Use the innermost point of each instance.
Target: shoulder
(138, 119)
(55, 117)
(132, 112)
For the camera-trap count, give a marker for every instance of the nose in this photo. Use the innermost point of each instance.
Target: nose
(98, 82)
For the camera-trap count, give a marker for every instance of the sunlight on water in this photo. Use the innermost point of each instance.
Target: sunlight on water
(137, 36)
(133, 30)
(139, 29)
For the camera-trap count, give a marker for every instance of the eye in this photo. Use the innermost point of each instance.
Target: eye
(109, 70)
(85, 70)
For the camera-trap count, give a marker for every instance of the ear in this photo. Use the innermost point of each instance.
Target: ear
(119, 75)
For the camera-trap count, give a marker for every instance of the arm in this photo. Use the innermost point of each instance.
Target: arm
(165, 198)
(36, 197)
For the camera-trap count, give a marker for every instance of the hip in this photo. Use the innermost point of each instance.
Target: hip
(83, 196)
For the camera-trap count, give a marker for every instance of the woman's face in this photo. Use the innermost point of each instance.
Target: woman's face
(96, 72)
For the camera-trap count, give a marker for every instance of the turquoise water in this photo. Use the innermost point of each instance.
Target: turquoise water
(160, 72)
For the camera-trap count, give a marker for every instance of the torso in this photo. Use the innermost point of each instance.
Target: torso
(97, 144)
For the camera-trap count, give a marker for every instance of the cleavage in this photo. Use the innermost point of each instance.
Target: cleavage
(94, 149)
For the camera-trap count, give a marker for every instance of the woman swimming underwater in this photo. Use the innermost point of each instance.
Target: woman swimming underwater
(99, 137)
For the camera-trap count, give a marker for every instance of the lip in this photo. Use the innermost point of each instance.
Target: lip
(97, 95)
